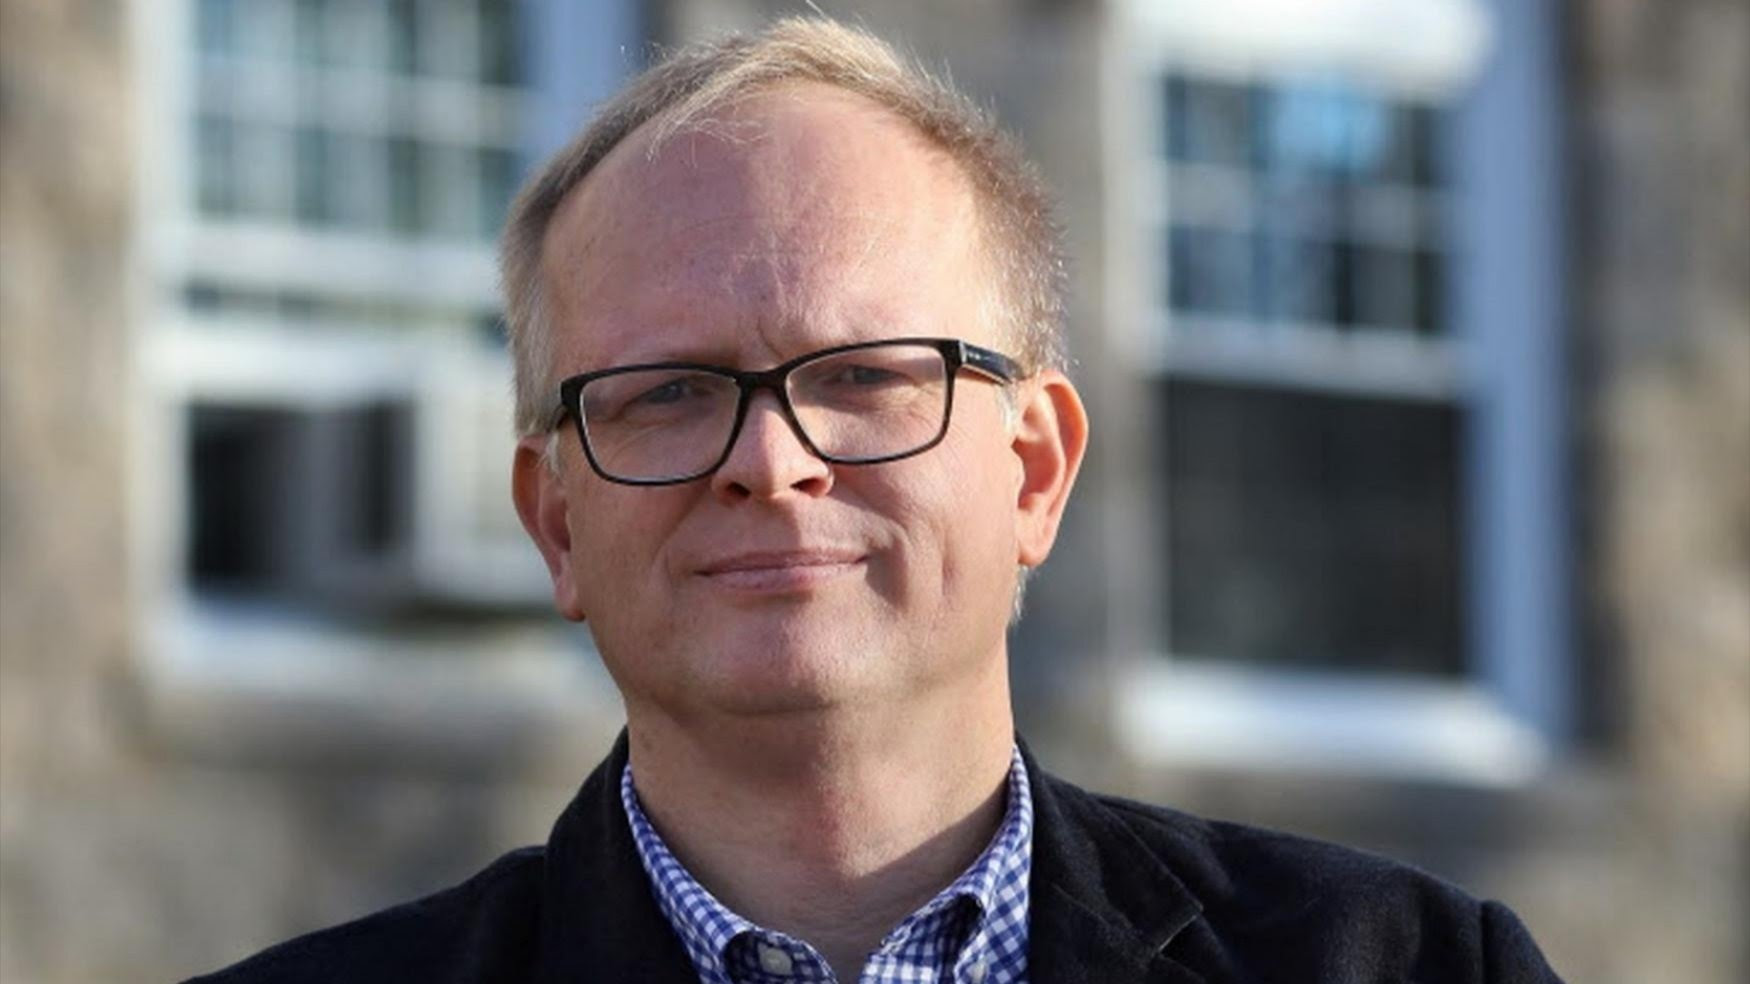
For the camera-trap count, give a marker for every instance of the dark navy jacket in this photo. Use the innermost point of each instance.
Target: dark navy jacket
(1121, 892)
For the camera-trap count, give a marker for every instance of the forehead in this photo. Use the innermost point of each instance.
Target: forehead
(803, 206)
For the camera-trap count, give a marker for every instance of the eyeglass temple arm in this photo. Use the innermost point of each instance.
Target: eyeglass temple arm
(991, 363)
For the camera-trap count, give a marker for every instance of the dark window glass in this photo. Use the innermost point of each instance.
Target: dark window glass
(215, 165)
(308, 44)
(1384, 287)
(1312, 531)
(403, 36)
(1425, 130)
(279, 497)
(311, 177)
(1297, 279)
(1211, 271)
(1209, 122)
(215, 26)
(202, 298)
(500, 46)
(500, 170)
(1430, 292)
(405, 213)
(238, 459)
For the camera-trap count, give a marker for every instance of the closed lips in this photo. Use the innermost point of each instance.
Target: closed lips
(780, 560)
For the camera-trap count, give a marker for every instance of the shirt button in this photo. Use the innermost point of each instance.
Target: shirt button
(775, 961)
(975, 973)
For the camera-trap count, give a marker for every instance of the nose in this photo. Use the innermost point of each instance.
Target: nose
(768, 459)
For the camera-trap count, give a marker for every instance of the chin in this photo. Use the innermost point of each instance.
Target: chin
(795, 670)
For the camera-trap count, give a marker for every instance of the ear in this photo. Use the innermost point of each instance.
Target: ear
(1050, 438)
(540, 497)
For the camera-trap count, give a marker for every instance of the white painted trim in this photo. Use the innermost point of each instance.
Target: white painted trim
(1179, 713)
(229, 680)
(1384, 363)
(461, 273)
(1434, 45)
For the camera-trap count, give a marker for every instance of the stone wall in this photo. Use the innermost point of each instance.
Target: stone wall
(1660, 158)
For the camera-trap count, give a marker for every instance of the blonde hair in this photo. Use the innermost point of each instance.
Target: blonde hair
(1015, 210)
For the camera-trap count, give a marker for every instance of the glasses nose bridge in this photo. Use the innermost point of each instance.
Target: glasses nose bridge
(775, 379)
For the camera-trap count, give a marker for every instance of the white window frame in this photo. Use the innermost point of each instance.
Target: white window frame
(225, 678)
(1503, 724)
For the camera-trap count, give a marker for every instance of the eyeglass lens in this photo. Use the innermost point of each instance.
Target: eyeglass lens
(859, 405)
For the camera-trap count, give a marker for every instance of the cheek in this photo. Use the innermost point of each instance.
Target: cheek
(616, 543)
(976, 489)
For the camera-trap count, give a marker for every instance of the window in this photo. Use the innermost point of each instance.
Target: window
(325, 416)
(1339, 502)
(392, 137)
(1310, 522)
(402, 118)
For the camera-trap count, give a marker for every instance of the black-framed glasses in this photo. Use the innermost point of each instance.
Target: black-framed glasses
(664, 423)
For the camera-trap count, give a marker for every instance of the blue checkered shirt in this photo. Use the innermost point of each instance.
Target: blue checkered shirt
(973, 932)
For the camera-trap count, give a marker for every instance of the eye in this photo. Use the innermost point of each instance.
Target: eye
(867, 375)
(673, 391)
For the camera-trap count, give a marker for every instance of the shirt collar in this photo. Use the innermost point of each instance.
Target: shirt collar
(996, 884)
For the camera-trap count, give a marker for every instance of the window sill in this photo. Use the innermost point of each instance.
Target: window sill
(242, 684)
(1187, 715)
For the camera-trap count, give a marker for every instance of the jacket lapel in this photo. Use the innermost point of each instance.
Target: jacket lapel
(1104, 906)
(599, 921)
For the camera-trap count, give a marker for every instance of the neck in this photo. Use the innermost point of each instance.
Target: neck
(830, 826)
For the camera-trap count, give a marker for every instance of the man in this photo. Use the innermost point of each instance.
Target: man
(786, 325)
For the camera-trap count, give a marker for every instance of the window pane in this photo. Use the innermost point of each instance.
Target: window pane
(278, 496)
(1297, 279)
(358, 192)
(1210, 271)
(1312, 531)
(447, 182)
(1423, 132)
(1304, 128)
(405, 215)
(1208, 122)
(1384, 287)
(215, 165)
(500, 172)
(312, 178)
(1405, 155)
(236, 462)
(216, 26)
(1431, 292)
(307, 42)
(1318, 210)
(403, 36)
(448, 39)
(500, 46)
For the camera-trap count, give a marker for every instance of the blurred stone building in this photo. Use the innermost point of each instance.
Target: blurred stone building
(1416, 335)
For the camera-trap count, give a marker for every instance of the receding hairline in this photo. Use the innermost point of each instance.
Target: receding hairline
(626, 165)
(740, 120)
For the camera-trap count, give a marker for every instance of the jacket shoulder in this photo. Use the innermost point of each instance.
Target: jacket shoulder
(480, 930)
(1220, 859)
(1271, 900)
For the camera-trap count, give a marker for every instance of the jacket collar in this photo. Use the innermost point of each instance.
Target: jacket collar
(599, 920)
(1104, 905)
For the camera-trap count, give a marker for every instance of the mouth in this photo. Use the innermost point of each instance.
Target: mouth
(781, 571)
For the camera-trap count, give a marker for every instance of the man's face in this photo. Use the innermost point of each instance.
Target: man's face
(783, 584)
